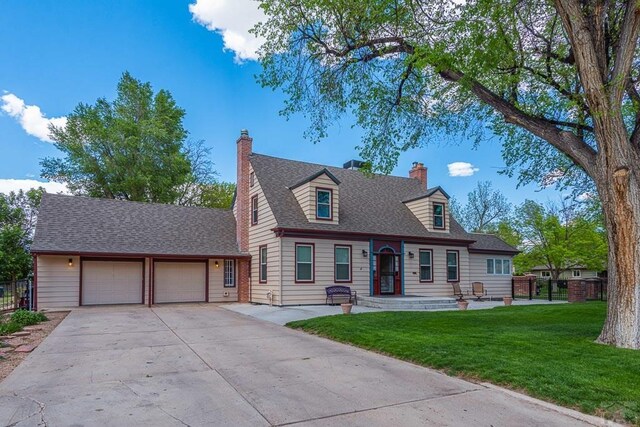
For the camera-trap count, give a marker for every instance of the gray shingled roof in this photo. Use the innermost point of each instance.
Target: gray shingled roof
(71, 224)
(490, 242)
(368, 204)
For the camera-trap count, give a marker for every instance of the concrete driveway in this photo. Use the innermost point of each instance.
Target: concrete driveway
(203, 365)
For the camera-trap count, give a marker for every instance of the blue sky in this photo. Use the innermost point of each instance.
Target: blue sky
(59, 53)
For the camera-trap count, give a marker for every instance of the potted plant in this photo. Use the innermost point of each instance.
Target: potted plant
(463, 304)
(346, 307)
(508, 299)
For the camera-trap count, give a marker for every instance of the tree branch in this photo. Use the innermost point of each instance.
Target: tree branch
(625, 51)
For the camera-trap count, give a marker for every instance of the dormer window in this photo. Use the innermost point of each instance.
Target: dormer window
(438, 215)
(324, 203)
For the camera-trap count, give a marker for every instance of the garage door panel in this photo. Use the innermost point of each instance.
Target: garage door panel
(179, 282)
(111, 282)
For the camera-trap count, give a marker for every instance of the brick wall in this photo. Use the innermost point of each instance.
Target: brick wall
(577, 291)
(521, 285)
(244, 147)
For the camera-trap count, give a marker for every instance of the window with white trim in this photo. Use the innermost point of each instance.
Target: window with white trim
(426, 271)
(546, 274)
(438, 215)
(304, 263)
(254, 210)
(263, 264)
(452, 266)
(229, 273)
(576, 273)
(497, 266)
(342, 260)
(323, 203)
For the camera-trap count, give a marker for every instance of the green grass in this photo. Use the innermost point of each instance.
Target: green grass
(19, 319)
(547, 351)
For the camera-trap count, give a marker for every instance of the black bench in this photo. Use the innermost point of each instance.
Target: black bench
(342, 291)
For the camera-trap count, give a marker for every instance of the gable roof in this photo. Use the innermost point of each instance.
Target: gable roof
(490, 243)
(73, 224)
(430, 192)
(324, 171)
(369, 204)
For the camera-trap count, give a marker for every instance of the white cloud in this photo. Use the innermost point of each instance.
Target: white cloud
(232, 19)
(30, 117)
(10, 184)
(461, 169)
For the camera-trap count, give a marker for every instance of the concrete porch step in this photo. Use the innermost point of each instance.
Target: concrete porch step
(408, 302)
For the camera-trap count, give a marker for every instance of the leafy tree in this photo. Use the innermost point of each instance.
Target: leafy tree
(18, 214)
(485, 207)
(131, 148)
(218, 195)
(560, 238)
(558, 81)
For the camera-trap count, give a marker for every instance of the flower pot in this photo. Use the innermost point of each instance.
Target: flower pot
(462, 305)
(346, 308)
(507, 300)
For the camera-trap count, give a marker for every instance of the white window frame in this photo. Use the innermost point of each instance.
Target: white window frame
(262, 265)
(229, 273)
(493, 263)
(312, 247)
(430, 265)
(545, 274)
(336, 263)
(491, 266)
(444, 224)
(330, 204)
(573, 273)
(254, 210)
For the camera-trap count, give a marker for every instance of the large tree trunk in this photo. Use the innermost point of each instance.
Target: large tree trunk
(618, 181)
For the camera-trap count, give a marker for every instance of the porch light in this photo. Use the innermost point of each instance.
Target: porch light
(364, 253)
(411, 254)
(70, 262)
(217, 264)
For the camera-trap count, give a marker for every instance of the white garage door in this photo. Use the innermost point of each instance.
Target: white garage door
(111, 282)
(179, 282)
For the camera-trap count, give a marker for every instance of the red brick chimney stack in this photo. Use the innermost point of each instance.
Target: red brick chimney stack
(419, 171)
(244, 147)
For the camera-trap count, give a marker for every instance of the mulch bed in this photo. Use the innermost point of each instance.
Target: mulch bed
(10, 358)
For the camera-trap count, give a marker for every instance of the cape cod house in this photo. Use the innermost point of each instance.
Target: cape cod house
(295, 228)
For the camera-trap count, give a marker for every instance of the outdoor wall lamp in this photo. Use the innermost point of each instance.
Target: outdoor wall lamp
(411, 254)
(217, 264)
(364, 253)
(70, 262)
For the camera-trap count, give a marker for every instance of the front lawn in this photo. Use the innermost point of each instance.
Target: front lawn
(548, 351)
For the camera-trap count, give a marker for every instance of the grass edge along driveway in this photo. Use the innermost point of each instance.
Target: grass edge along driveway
(546, 351)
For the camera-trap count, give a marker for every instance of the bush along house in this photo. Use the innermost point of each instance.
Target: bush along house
(294, 229)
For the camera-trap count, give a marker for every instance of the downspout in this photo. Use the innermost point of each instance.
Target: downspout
(280, 270)
(370, 267)
(402, 267)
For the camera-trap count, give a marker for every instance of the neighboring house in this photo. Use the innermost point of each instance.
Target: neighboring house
(294, 229)
(578, 272)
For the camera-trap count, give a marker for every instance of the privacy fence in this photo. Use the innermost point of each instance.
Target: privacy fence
(15, 295)
(532, 288)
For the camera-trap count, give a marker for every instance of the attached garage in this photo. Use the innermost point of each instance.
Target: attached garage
(179, 281)
(112, 282)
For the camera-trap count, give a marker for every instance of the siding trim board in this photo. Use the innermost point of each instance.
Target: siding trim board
(338, 235)
(123, 256)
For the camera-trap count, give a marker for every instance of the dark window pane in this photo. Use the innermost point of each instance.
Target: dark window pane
(304, 271)
(324, 211)
(342, 272)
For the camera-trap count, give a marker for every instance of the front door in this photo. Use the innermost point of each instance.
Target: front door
(387, 274)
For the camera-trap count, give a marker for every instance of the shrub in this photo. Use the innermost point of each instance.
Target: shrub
(25, 318)
(7, 328)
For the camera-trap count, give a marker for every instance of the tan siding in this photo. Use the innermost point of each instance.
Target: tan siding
(262, 234)
(440, 287)
(496, 285)
(306, 196)
(58, 283)
(423, 210)
(314, 293)
(216, 283)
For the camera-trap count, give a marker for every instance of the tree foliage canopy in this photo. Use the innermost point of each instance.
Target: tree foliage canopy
(484, 209)
(415, 69)
(18, 215)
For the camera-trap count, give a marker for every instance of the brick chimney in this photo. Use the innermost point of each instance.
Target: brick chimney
(419, 171)
(244, 147)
